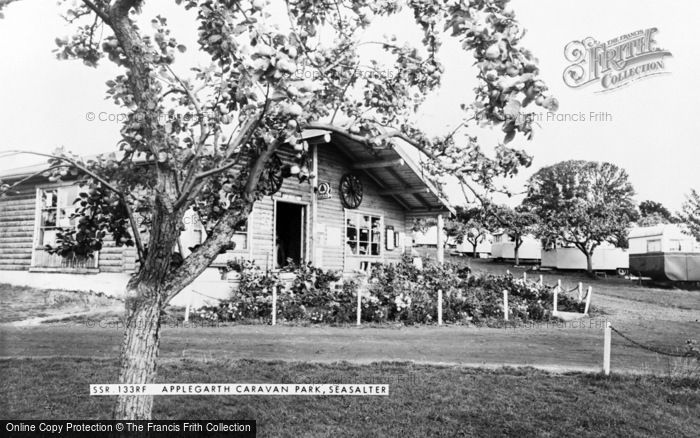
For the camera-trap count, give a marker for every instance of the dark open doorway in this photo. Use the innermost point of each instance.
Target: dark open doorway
(289, 233)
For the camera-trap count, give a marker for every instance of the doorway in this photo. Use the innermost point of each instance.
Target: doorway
(290, 226)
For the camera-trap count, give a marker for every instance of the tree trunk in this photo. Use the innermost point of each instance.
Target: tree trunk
(516, 250)
(474, 250)
(589, 263)
(144, 303)
(138, 356)
(149, 292)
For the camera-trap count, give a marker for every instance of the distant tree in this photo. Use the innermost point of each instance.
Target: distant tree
(471, 224)
(421, 225)
(654, 213)
(690, 214)
(516, 223)
(647, 208)
(582, 203)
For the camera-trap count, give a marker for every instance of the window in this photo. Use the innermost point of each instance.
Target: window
(675, 245)
(240, 237)
(654, 245)
(56, 206)
(363, 234)
(195, 232)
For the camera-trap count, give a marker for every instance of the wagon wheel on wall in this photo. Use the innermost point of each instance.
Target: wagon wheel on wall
(271, 178)
(351, 190)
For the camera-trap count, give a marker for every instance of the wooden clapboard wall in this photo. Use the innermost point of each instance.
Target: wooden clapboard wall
(17, 228)
(18, 221)
(17, 214)
(332, 164)
(328, 213)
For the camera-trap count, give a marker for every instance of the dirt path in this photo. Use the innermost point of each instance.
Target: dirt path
(66, 312)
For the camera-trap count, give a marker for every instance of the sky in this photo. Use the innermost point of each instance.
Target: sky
(649, 128)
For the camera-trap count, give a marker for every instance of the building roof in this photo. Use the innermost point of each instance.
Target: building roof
(669, 230)
(396, 174)
(393, 170)
(22, 172)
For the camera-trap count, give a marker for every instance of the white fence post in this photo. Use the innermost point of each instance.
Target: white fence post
(274, 305)
(524, 276)
(556, 298)
(541, 280)
(359, 305)
(440, 307)
(588, 300)
(580, 291)
(507, 271)
(606, 349)
(505, 305)
(187, 309)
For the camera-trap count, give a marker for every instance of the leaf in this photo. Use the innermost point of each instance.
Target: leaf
(509, 136)
(551, 103)
(512, 108)
(182, 48)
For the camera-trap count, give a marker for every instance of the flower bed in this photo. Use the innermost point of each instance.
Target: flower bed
(392, 293)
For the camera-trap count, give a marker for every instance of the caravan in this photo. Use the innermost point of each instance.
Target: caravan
(664, 252)
(503, 248)
(605, 258)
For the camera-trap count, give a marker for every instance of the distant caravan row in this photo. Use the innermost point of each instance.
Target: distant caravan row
(661, 252)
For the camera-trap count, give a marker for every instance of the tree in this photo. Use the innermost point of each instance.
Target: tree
(208, 140)
(690, 214)
(582, 203)
(653, 213)
(471, 224)
(516, 223)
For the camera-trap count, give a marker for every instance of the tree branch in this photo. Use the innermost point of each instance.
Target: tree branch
(100, 13)
(23, 180)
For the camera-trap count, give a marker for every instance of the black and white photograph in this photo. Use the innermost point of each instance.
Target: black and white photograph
(349, 218)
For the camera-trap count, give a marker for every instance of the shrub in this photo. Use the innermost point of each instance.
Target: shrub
(311, 295)
(395, 292)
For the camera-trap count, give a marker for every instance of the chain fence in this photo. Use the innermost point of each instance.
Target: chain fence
(689, 353)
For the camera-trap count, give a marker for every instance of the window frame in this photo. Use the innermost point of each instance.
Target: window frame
(358, 216)
(654, 241)
(37, 246)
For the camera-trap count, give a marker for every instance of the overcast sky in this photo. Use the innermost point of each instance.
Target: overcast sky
(651, 130)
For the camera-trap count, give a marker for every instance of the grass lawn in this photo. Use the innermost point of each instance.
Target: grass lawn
(611, 287)
(423, 401)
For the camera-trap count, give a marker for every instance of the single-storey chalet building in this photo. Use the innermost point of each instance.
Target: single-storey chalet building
(355, 212)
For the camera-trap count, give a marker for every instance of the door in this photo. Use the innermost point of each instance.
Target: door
(290, 233)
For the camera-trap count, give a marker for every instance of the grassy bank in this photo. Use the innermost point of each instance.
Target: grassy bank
(423, 401)
(22, 303)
